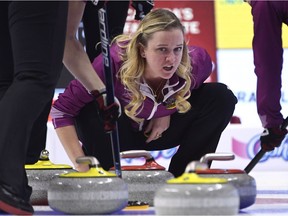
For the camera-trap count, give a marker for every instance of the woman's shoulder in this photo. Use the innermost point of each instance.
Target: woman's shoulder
(198, 53)
(196, 49)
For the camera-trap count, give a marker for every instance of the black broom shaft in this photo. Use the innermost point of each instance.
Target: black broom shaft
(255, 160)
(105, 45)
(262, 152)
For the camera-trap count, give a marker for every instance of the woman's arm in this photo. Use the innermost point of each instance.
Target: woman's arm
(77, 62)
(75, 58)
(70, 142)
(201, 65)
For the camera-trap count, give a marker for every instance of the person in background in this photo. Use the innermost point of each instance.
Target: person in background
(159, 82)
(268, 17)
(32, 43)
(92, 37)
(117, 14)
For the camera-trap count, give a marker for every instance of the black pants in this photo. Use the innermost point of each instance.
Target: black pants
(116, 15)
(196, 132)
(32, 42)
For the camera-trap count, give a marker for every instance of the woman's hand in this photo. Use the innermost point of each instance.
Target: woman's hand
(81, 167)
(156, 127)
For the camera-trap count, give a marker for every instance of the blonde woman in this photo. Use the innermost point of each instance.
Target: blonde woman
(165, 103)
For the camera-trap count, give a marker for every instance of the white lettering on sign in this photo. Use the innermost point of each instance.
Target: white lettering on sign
(186, 15)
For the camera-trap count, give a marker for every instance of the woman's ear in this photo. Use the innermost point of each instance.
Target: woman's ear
(142, 51)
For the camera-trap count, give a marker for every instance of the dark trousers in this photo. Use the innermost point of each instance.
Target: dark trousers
(116, 15)
(32, 42)
(196, 132)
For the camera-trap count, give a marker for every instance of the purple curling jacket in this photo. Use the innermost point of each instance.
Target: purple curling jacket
(75, 96)
(268, 17)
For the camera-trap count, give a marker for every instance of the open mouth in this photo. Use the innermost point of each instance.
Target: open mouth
(168, 68)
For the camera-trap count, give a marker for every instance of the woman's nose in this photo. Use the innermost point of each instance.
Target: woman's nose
(170, 57)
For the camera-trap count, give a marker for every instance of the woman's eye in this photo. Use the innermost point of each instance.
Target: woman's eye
(178, 49)
(163, 49)
(175, 50)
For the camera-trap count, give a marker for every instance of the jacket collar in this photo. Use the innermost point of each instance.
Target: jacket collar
(173, 85)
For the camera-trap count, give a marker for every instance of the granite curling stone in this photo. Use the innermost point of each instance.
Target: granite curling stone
(143, 180)
(39, 176)
(93, 192)
(191, 194)
(244, 183)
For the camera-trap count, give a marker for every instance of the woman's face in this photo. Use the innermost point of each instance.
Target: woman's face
(163, 54)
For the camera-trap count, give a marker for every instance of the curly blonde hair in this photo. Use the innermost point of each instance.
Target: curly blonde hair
(133, 65)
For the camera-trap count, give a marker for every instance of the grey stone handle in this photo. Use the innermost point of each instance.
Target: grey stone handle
(217, 156)
(196, 165)
(44, 155)
(92, 161)
(136, 154)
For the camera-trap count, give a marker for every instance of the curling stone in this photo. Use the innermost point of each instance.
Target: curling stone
(191, 194)
(143, 180)
(93, 192)
(244, 183)
(40, 174)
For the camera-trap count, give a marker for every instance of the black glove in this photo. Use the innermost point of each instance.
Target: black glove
(109, 114)
(142, 7)
(272, 137)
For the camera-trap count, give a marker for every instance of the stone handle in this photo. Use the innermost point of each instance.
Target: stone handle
(92, 161)
(44, 155)
(150, 163)
(195, 165)
(136, 154)
(217, 156)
